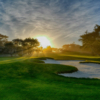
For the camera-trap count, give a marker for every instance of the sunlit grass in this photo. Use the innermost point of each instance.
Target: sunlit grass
(71, 56)
(57, 56)
(80, 56)
(10, 60)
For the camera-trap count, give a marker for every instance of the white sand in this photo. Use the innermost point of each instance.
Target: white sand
(85, 70)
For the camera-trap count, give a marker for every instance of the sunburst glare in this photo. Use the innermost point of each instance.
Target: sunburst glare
(44, 41)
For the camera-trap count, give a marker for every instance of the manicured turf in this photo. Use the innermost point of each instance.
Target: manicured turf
(30, 79)
(70, 56)
(89, 61)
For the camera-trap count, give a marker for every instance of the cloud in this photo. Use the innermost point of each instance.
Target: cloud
(61, 20)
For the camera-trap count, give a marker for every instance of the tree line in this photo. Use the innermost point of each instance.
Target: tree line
(91, 41)
(18, 46)
(90, 44)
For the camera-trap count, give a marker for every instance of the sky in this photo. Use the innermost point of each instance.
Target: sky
(62, 21)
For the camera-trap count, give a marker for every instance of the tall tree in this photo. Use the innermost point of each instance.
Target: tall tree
(17, 42)
(29, 44)
(3, 39)
(10, 47)
(25, 46)
(47, 49)
(91, 40)
(71, 47)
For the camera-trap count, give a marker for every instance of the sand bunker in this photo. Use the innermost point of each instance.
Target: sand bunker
(85, 70)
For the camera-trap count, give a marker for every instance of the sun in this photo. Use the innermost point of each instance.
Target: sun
(44, 41)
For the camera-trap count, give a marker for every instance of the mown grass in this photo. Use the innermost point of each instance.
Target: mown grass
(88, 61)
(71, 56)
(28, 78)
(79, 56)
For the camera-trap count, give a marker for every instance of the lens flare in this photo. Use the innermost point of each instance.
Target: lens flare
(44, 41)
